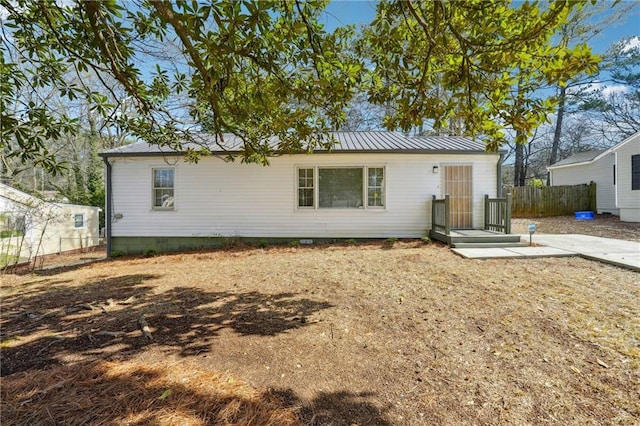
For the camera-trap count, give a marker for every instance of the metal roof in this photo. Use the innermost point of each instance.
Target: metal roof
(581, 157)
(346, 142)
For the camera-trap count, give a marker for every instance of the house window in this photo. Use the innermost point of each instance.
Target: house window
(78, 220)
(163, 189)
(635, 172)
(341, 187)
(12, 225)
(375, 187)
(20, 224)
(305, 188)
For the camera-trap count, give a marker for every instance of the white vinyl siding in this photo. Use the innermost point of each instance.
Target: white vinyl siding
(616, 198)
(218, 198)
(45, 228)
(628, 198)
(600, 171)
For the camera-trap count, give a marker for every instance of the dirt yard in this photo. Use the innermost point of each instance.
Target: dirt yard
(402, 333)
(603, 225)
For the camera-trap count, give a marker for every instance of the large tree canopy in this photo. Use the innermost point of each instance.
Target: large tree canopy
(476, 62)
(255, 69)
(260, 69)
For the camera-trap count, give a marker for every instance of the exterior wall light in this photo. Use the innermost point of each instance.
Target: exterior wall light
(435, 170)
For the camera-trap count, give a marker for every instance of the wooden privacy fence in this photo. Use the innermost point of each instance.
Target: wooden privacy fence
(544, 201)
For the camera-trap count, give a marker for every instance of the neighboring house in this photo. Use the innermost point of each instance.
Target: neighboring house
(370, 185)
(31, 227)
(616, 172)
(586, 167)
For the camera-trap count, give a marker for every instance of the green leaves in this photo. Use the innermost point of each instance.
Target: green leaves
(476, 61)
(255, 69)
(260, 69)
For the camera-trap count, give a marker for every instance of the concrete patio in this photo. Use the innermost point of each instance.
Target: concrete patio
(621, 253)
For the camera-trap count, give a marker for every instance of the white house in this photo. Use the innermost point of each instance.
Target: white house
(31, 227)
(616, 172)
(370, 185)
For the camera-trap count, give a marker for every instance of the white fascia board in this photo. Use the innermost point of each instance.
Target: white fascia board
(562, 166)
(599, 156)
(618, 146)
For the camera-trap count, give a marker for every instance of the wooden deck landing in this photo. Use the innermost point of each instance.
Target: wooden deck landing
(475, 237)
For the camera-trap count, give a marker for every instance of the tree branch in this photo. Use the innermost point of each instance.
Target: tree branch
(167, 14)
(421, 21)
(92, 10)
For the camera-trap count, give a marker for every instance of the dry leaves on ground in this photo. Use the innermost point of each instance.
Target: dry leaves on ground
(366, 334)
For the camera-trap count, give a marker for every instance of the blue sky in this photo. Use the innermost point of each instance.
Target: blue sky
(343, 12)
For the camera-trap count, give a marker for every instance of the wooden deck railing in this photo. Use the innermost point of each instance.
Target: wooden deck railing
(440, 215)
(497, 214)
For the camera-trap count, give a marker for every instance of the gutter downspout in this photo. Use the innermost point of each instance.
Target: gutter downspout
(615, 179)
(107, 206)
(499, 177)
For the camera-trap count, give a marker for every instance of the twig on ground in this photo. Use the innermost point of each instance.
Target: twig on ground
(56, 339)
(80, 307)
(128, 301)
(35, 317)
(144, 327)
(110, 333)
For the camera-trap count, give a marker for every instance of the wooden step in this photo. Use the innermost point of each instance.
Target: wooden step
(487, 239)
(475, 236)
(488, 245)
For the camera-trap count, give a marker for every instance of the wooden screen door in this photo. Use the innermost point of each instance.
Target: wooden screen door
(459, 185)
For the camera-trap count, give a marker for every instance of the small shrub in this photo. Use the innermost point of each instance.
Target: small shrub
(231, 242)
(388, 243)
(150, 253)
(294, 243)
(11, 233)
(350, 241)
(263, 243)
(426, 240)
(117, 253)
(7, 259)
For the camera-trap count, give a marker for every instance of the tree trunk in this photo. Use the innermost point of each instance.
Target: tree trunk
(519, 171)
(558, 130)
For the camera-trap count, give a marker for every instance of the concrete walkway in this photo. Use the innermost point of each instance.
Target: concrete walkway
(615, 252)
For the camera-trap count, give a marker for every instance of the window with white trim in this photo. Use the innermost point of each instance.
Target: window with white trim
(78, 220)
(163, 188)
(375, 187)
(305, 188)
(341, 187)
